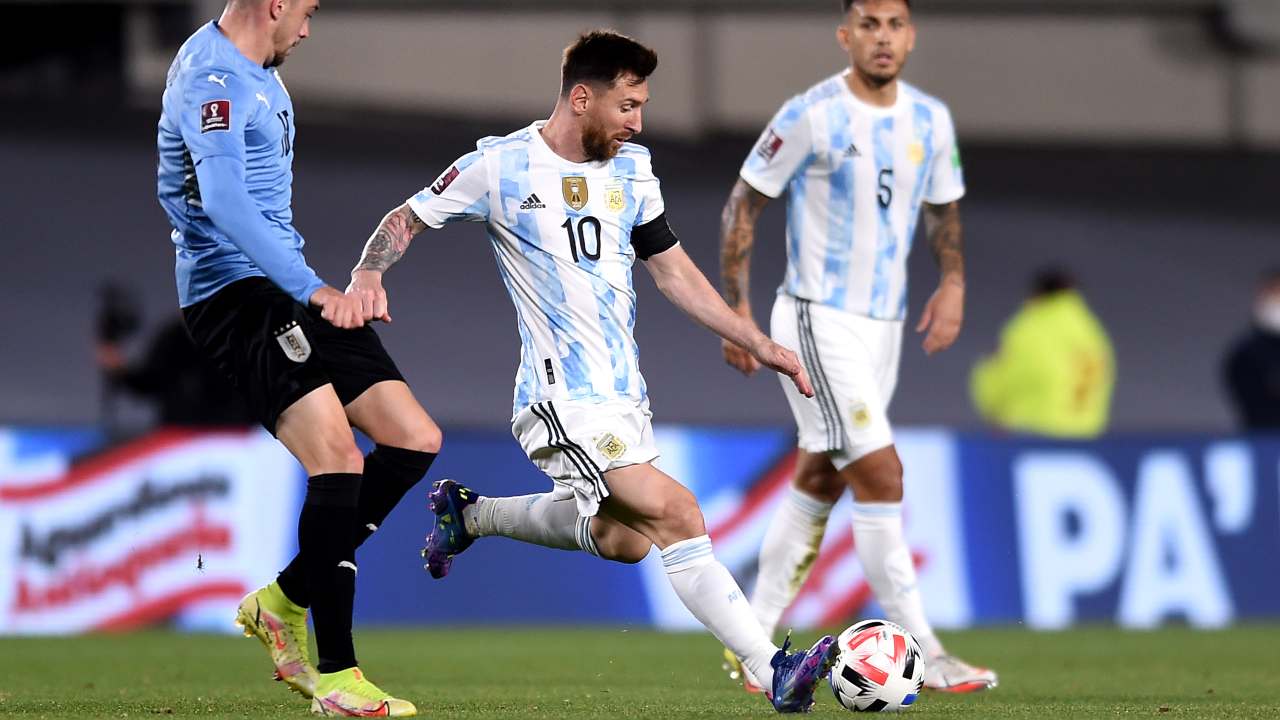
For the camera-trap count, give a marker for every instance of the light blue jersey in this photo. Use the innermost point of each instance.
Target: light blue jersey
(561, 233)
(856, 176)
(225, 173)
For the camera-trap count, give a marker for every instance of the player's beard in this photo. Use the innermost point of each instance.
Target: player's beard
(596, 142)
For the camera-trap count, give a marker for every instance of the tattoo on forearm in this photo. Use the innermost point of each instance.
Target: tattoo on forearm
(737, 235)
(390, 240)
(945, 236)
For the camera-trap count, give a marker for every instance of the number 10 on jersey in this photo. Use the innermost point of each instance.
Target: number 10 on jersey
(578, 237)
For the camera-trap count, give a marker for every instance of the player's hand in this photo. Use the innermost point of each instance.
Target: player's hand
(942, 316)
(342, 311)
(367, 286)
(772, 355)
(739, 358)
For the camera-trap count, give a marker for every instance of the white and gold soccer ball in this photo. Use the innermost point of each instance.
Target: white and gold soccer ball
(880, 668)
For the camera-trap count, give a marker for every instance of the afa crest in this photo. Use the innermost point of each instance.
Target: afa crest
(614, 198)
(574, 189)
(610, 446)
(915, 152)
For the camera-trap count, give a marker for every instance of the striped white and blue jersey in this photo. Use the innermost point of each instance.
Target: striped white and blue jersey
(561, 233)
(855, 177)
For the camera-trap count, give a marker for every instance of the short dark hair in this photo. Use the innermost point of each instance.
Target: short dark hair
(1051, 279)
(850, 3)
(603, 56)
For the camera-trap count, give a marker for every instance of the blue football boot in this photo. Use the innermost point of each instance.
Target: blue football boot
(796, 675)
(449, 535)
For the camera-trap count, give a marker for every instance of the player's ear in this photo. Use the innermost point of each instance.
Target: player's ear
(842, 34)
(579, 97)
(911, 36)
(276, 8)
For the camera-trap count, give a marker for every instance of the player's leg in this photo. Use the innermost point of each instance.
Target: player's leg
(262, 342)
(561, 439)
(653, 504)
(872, 469)
(876, 481)
(795, 531)
(551, 519)
(315, 430)
(406, 443)
(794, 535)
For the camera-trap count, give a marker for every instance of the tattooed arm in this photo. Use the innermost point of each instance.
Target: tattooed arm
(944, 312)
(386, 246)
(737, 235)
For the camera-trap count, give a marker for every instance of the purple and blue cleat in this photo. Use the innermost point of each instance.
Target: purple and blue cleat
(796, 675)
(449, 534)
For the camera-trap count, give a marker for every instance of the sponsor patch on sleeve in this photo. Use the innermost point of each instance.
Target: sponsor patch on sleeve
(769, 144)
(215, 115)
(445, 180)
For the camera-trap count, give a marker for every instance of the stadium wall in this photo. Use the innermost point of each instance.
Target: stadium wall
(1139, 531)
(1160, 76)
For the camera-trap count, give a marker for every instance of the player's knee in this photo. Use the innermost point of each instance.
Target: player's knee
(824, 484)
(418, 433)
(425, 437)
(629, 549)
(337, 452)
(879, 479)
(682, 515)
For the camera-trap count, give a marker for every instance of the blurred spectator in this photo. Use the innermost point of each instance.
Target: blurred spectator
(1054, 371)
(1252, 366)
(171, 374)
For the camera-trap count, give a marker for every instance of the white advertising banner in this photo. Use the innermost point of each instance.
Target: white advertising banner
(175, 526)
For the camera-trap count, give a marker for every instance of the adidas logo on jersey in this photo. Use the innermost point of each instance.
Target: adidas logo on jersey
(852, 151)
(532, 203)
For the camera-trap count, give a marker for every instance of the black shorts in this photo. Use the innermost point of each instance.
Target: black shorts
(274, 350)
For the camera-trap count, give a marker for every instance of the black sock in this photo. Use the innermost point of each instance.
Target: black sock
(389, 473)
(326, 542)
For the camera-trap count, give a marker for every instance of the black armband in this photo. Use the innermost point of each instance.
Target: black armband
(653, 237)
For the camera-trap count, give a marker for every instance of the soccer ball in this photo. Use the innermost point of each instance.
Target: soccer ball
(880, 668)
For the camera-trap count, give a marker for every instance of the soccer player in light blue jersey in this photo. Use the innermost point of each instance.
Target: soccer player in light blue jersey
(859, 155)
(569, 204)
(299, 350)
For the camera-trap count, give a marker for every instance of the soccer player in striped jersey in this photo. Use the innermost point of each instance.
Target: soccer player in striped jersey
(569, 204)
(859, 155)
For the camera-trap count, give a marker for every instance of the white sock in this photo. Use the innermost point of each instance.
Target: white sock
(790, 548)
(705, 586)
(538, 519)
(886, 560)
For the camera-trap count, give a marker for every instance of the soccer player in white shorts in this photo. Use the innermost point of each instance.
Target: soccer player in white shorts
(569, 205)
(858, 155)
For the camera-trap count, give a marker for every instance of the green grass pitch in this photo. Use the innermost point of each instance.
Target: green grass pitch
(619, 674)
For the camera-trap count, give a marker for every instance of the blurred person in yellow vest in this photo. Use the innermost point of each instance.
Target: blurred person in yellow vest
(1054, 371)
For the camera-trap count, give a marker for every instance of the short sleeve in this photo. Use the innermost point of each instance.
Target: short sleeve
(946, 176)
(781, 150)
(215, 111)
(461, 193)
(648, 192)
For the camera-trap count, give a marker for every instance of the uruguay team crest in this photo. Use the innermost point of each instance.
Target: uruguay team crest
(614, 199)
(294, 343)
(574, 189)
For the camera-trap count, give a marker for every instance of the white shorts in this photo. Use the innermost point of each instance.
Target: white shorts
(852, 361)
(576, 443)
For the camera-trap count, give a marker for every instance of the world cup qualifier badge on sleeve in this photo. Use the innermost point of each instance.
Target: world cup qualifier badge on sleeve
(769, 144)
(215, 115)
(444, 181)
